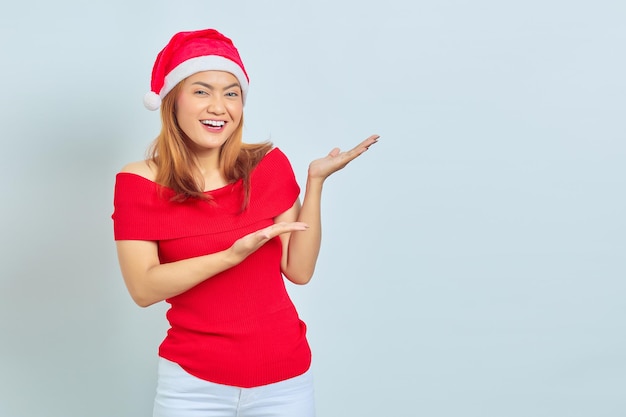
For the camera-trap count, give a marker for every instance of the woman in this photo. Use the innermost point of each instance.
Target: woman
(211, 225)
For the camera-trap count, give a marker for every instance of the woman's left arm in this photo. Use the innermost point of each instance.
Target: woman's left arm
(300, 250)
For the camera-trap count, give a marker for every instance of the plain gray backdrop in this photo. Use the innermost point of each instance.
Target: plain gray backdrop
(473, 261)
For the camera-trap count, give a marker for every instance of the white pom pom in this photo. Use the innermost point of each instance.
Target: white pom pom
(152, 101)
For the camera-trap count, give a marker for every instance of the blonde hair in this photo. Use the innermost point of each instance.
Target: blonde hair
(176, 164)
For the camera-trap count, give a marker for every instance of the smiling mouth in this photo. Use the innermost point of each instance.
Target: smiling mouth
(216, 124)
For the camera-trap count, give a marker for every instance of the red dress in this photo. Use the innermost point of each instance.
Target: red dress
(239, 327)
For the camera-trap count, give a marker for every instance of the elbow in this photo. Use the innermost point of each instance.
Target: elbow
(141, 298)
(142, 302)
(301, 278)
(139, 291)
(303, 281)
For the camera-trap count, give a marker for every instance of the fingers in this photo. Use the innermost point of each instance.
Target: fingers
(280, 228)
(361, 147)
(367, 143)
(334, 152)
(253, 241)
(336, 160)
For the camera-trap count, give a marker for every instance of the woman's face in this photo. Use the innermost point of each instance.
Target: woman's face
(209, 108)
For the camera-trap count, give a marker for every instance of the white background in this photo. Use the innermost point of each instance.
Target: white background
(473, 261)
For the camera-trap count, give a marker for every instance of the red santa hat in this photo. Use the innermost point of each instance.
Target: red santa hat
(188, 53)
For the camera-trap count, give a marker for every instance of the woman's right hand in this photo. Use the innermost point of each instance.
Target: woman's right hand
(245, 246)
(149, 281)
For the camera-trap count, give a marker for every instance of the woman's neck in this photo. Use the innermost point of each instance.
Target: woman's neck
(209, 166)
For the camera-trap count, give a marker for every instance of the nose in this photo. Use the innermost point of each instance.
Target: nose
(216, 105)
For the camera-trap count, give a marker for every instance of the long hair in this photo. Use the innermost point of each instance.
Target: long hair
(177, 167)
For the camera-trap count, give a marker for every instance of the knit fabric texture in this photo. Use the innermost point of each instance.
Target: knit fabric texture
(239, 327)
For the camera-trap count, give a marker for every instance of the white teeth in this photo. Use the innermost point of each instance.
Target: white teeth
(213, 123)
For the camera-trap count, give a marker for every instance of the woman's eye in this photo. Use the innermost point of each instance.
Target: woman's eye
(200, 92)
(232, 94)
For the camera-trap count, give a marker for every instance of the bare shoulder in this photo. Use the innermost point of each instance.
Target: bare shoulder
(145, 169)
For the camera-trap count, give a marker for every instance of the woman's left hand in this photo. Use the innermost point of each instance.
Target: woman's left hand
(336, 160)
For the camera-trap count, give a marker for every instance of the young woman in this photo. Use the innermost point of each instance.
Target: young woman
(211, 225)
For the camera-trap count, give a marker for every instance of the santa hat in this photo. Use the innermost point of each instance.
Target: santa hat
(188, 53)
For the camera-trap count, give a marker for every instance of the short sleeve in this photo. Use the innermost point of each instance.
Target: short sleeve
(133, 201)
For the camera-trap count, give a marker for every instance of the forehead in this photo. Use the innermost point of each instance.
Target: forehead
(215, 78)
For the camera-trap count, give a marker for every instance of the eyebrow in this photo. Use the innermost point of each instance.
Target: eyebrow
(210, 87)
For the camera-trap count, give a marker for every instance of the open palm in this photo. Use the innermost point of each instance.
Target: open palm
(336, 160)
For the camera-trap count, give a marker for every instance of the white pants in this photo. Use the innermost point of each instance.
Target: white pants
(180, 394)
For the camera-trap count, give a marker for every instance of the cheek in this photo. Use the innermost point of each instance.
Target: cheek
(236, 113)
(183, 110)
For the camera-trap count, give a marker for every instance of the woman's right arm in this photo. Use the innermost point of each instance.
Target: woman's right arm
(148, 281)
